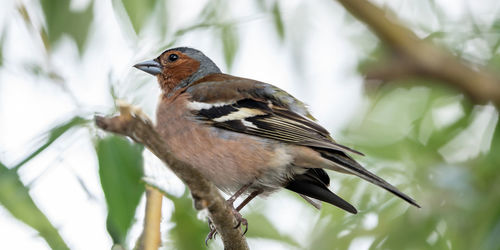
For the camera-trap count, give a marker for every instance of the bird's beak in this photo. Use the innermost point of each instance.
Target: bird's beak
(152, 67)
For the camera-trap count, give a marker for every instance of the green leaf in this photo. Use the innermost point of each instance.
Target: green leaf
(120, 171)
(229, 43)
(278, 21)
(14, 196)
(138, 12)
(61, 20)
(189, 232)
(53, 135)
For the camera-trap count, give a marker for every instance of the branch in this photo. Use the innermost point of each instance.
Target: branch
(424, 58)
(137, 126)
(151, 237)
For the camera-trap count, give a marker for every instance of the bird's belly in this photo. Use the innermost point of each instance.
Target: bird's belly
(229, 159)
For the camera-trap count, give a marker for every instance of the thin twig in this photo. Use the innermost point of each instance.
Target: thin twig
(151, 237)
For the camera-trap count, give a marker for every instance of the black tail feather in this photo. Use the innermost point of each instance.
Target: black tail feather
(351, 166)
(309, 185)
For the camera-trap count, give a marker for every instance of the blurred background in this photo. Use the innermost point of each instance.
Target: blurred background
(66, 184)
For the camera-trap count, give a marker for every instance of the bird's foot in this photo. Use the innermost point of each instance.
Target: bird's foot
(213, 232)
(240, 221)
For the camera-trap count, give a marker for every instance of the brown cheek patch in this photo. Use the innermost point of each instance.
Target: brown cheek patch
(182, 69)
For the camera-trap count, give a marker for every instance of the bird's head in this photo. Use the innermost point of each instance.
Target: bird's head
(178, 67)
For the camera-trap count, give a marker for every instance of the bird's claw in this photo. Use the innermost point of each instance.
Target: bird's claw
(240, 221)
(213, 232)
(211, 235)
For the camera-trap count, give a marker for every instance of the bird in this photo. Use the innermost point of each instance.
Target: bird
(246, 136)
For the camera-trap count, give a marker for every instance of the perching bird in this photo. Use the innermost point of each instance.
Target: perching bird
(247, 136)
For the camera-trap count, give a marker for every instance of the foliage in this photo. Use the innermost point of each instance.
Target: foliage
(15, 197)
(450, 193)
(138, 11)
(120, 169)
(189, 232)
(62, 20)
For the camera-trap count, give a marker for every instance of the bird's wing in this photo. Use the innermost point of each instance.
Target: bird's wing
(259, 109)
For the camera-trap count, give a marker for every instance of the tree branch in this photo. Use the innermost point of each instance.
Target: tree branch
(134, 124)
(151, 236)
(424, 58)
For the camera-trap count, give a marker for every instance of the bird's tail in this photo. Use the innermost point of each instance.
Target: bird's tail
(349, 165)
(314, 184)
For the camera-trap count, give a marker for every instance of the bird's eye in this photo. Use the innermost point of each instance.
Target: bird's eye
(173, 57)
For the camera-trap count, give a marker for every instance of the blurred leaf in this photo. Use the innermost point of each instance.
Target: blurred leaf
(212, 9)
(61, 20)
(189, 232)
(278, 21)
(436, 35)
(24, 14)
(14, 196)
(120, 171)
(2, 40)
(138, 12)
(376, 57)
(53, 135)
(230, 44)
(411, 104)
(495, 29)
(448, 193)
(261, 4)
(260, 227)
(337, 230)
(494, 61)
(188, 29)
(162, 18)
(488, 170)
(21, 8)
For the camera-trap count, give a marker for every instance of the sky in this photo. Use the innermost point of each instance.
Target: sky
(324, 77)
